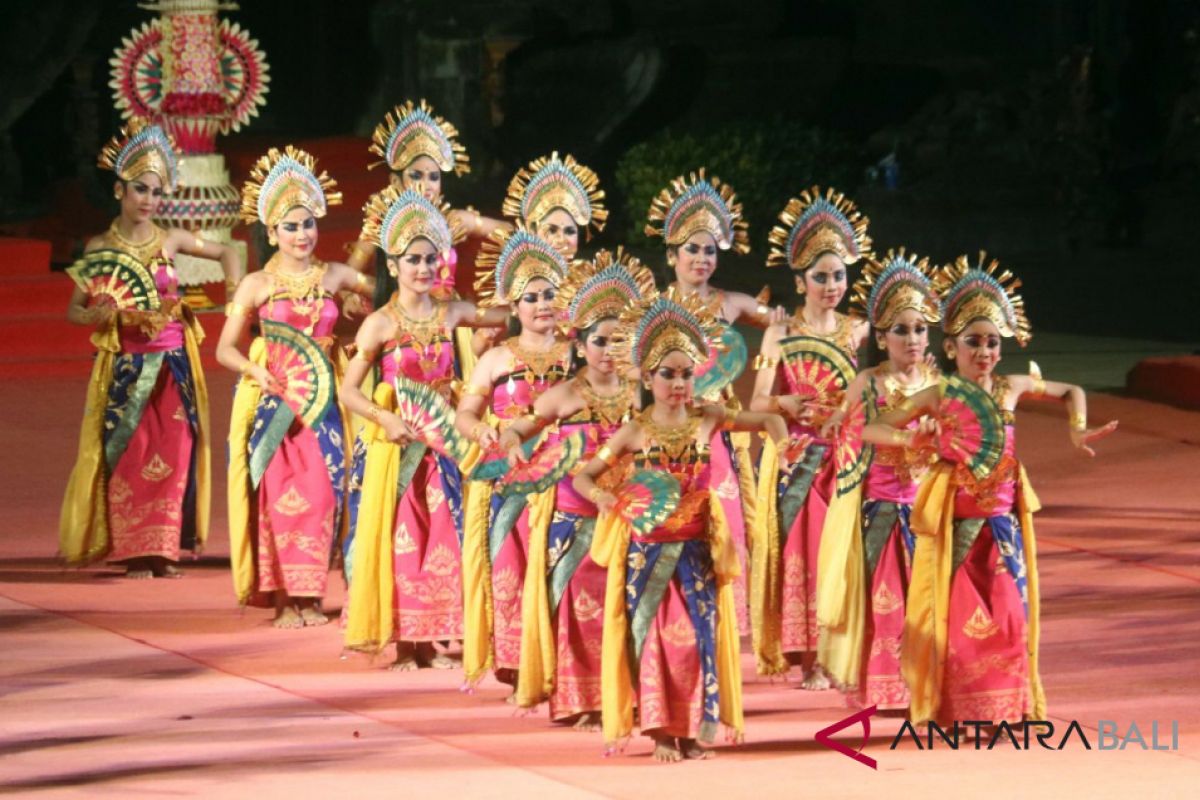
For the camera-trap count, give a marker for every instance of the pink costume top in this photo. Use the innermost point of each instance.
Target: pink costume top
(315, 312)
(514, 393)
(841, 337)
(692, 468)
(599, 419)
(421, 349)
(136, 339)
(443, 285)
(893, 477)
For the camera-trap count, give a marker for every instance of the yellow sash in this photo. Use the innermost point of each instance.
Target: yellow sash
(841, 589)
(535, 678)
(766, 588)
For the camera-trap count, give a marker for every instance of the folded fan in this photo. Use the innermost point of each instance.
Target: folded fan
(118, 276)
(971, 426)
(429, 417)
(547, 466)
(647, 499)
(301, 367)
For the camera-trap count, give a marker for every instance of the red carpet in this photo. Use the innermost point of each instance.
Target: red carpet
(164, 687)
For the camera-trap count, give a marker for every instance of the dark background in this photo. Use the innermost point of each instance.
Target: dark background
(1062, 136)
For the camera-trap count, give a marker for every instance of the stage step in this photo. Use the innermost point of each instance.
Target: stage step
(48, 293)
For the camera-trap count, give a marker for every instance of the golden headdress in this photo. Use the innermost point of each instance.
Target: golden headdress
(141, 147)
(410, 131)
(696, 204)
(660, 323)
(968, 293)
(900, 282)
(812, 224)
(602, 288)
(394, 218)
(550, 183)
(281, 181)
(509, 260)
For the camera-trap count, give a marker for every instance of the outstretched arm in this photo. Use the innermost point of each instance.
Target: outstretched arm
(1076, 400)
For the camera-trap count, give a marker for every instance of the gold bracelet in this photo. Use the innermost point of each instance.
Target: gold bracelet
(762, 362)
(762, 310)
(480, 313)
(244, 369)
(360, 279)
(606, 455)
(477, 430)
(234, 309)
(593, 494)
(1078, 421)
(539, 422)
(471, 390)
(199, 242)
(901, 438)
(373, 412)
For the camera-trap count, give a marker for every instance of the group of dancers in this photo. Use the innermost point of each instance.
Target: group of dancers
(558, 474)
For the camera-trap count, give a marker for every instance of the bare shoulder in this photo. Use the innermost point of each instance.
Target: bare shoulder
(94, 243)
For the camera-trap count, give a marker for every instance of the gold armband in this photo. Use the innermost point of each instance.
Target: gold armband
(539, 422)
(606, 455)
(762, 362)
(235, 309)
(245, 367)
(365, 356)
(762, 310)
(471, 390)
(199, 243)
(360, 279)
(374, 412)
(1078, 421)
(901, 438)
(594, 493)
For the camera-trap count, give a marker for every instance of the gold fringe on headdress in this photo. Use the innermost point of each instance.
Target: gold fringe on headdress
(281, 181)
(696, 204)
(648, 330)
(969, 293)
(394, 218)
(509, 260)
(602, 288)
(410, 131)
(901, 281)
(142, 147)
(550, 183)
(812, 224)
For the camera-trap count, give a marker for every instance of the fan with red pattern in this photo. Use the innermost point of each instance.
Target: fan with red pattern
(970, 426)
(547, 466)
(820, 371)
(429, 417)
(647, 499)
(301, 367)
(117, 277)
(851, 455)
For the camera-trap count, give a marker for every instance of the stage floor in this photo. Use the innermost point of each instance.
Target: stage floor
(116, 688)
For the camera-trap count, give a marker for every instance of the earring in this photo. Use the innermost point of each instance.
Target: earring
(271, 240)
(882, 345)
(952, 352)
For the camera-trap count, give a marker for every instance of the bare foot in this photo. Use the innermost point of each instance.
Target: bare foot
(138, 569)
(815, 680)
(666, 750)
(512, 698)
(288, 617)
(692, 750)
(168, 571)
(442, 661)
(588, 721)
(313, 617)
(406, 658)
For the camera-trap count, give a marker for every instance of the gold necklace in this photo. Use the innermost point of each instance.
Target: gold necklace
(423, 335)
(538, 363)
(608, 409)
(305, 289)
(144, 250)
(894, 391)
(672, 440)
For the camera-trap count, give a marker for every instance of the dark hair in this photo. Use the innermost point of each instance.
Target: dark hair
(385, 283)
(581, 336)
(261, 243)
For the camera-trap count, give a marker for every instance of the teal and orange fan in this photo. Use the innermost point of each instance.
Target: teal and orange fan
(495, 461)
(971, 427)
(851, 455)
(300, 366)
(729, 363)
(647, 499)
(548, 465)
(429, 417)
(116, 276)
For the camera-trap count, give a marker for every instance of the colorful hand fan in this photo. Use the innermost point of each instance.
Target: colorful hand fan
(429, 416)
(116, 275)
(495, 462)
(301, 367)
(851, 455)
(548, 465)
(725, 366)
(820, 371)
(972, 428)
(647, 499)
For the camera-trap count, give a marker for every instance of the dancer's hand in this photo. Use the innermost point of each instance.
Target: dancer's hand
(510, 443)
(355, 305)
(265, 380)
(394, 428)
(1082, 439)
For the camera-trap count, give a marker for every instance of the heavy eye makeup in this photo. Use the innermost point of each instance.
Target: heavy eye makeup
(532, 297)
(292, 227)
(416, 259)
(668, 374)
(599, 341)
(565, 230)
(976, 342)
(695, 249)
(822, 278)
(904, 330)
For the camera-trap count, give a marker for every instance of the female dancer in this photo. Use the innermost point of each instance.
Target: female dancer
(972, 620)
(286, 480)
(866, 542)
(597, 401)
(818, 237)
(139, 492)
(670, 591)
(407, 556)
(554, 198)
(697, 217)
(525, 272)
